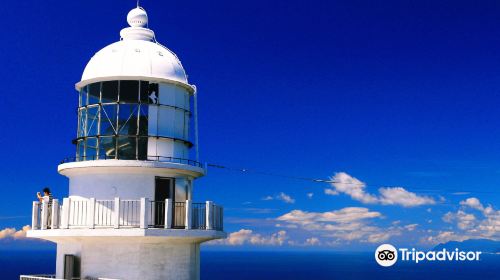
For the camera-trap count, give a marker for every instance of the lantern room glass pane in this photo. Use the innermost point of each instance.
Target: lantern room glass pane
(82, 119)
(126, 147)
(109, 91)
(143, 120)
(142, 149)
(92, 120)
(144, 92)
(107, 147)
(83, 97)
(80, 150)
(108, 119)
(94, 92)
(129, 91)
(91, 148)
(127, 120)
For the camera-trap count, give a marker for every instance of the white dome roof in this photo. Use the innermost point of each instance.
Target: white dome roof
(136, 56)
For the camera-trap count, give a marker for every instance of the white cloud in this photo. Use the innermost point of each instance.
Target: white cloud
(379, 237)
(285, 198)
(411, 227)
(310, 195)
(485, 225)
(443, 237)
(13, 233)
(473, 202)
(348, 224)
(400, 196)
(313, 241)
(281, 196)
(247, 236)
(344, 183)
(331, 192)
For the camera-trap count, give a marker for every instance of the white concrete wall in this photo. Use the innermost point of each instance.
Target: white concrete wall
(106, 183)
(111, 183)
(124, 259)
(69, 248)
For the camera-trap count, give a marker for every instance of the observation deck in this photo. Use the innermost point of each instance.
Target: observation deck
(92, 217)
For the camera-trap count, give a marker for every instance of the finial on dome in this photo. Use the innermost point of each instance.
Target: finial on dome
(137, 17)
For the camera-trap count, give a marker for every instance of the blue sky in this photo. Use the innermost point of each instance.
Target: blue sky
(395, 94)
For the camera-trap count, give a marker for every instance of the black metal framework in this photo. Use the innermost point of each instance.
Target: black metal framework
(199, 215)
(113, 119)
(157, 214)
(179, 215)
(218, 216)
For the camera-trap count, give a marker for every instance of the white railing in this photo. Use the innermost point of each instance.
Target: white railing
(53, 277)
(38, 277)
(91, 213)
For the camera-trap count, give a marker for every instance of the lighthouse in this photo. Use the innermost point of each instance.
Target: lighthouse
(130, 213)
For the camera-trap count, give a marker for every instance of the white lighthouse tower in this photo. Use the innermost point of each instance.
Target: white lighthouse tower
(130, 214)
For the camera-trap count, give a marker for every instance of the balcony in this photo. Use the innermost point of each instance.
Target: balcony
(120, 214)
(53, 277)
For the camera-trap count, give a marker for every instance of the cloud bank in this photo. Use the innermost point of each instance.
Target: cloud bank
(346, 184)
(13, 233)
(472, 221)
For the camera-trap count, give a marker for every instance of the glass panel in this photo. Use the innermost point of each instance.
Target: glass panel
(92, 119)
(142, 149)
(129, 91)
(82, 118)
(107, 147)
(108, 119)
(83, 97)
(153, 93)
(94, 92)
(126, 147)
(127, 119)
(145, 92)
(143, 120)
(80, 148)
(91, 150)
(109, 91)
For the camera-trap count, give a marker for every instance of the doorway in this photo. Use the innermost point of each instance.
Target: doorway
(164, 188)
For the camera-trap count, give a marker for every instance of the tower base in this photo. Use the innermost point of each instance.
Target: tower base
(128, 258)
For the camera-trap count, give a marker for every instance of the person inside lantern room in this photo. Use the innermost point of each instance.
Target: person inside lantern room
(46, 198)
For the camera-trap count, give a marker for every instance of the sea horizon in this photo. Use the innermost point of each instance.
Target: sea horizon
(282, 264)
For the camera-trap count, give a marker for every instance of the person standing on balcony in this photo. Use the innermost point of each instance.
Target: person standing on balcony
(47, 198)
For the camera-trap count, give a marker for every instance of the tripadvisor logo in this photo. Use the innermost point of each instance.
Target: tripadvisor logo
(387, 255)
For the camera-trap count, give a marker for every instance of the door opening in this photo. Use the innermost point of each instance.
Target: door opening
(164, 188)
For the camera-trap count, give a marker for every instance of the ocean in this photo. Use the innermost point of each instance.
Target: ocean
(217, 265)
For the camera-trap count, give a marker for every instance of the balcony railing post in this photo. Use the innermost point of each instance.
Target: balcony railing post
(65, 213)
(34, 215)
(144, 213)
(54, 223)
(189, 218)
(91, 213)
(116, 213)
(45, 215)
(168, 212)
(209, 215)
